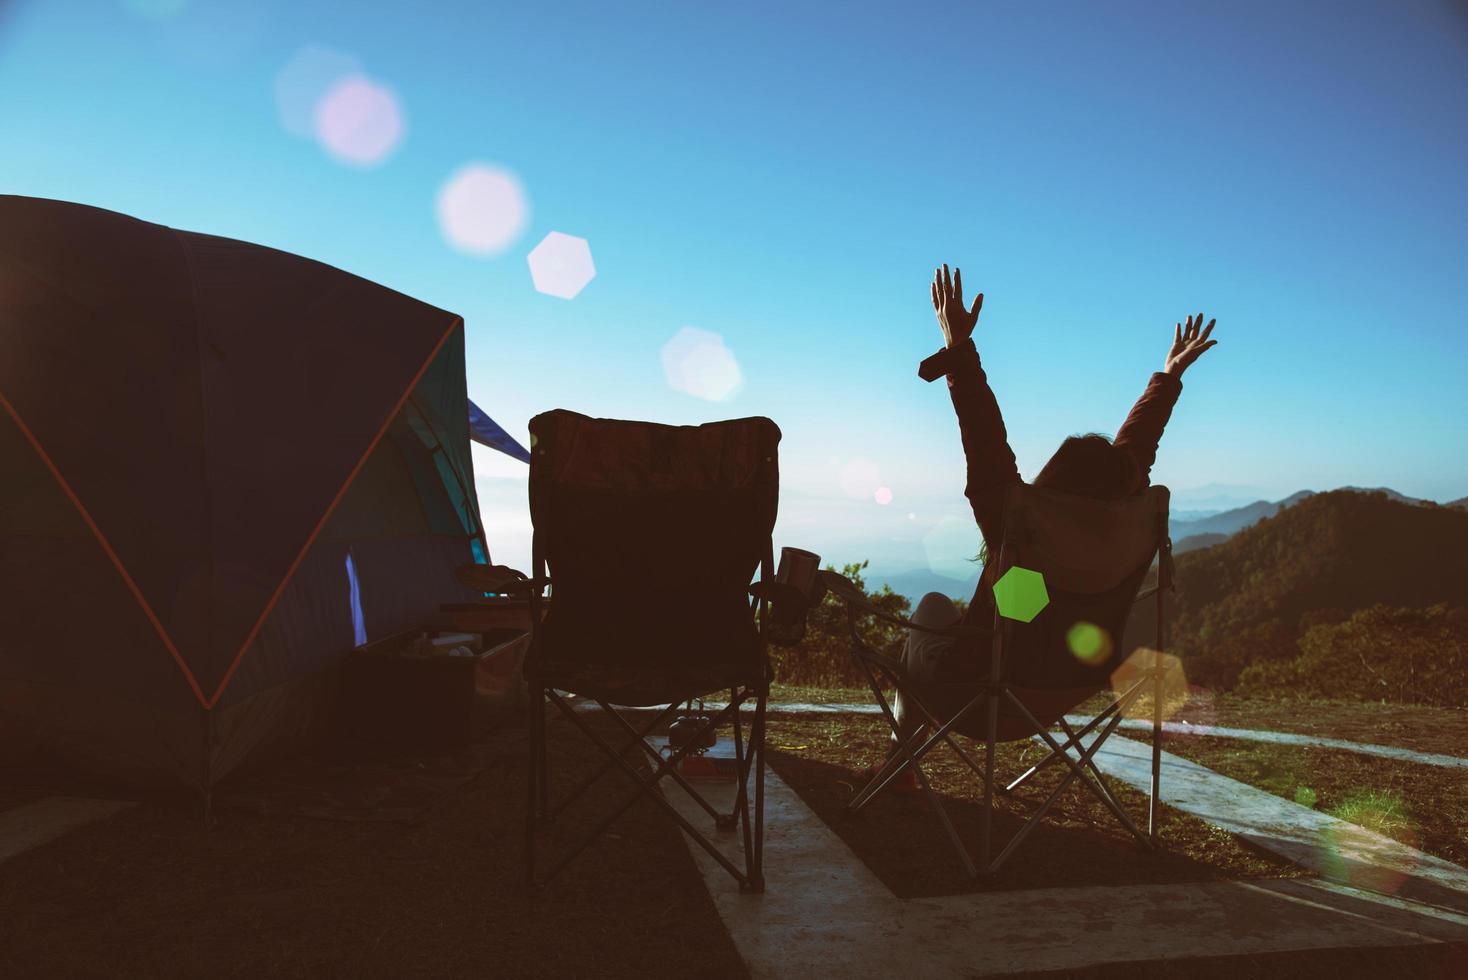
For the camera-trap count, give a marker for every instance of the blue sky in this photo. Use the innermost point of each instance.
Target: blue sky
(786, 176)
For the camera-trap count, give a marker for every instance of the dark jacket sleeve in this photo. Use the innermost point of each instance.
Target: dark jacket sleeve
(1142, 430)
(991, 467)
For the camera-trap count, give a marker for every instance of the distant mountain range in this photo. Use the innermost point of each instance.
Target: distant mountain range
(918, 582)
(1191, 530)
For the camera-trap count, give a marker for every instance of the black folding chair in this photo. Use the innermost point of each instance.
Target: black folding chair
(649, 536)
(1045, 657)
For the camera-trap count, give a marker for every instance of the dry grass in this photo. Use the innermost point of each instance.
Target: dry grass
(1079, 843)
(1421, 728)
(1423, 806)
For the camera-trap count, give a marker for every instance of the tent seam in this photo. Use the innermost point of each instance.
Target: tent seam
(455, 323)
(106, 547)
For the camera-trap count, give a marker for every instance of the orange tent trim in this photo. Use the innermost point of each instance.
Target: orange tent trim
(209, 703)
(106, 547)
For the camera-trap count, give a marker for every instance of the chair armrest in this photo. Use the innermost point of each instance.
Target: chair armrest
(845, 590)
(500, 579)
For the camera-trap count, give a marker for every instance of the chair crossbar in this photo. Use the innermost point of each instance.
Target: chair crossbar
(645, 786)
(894, 763)
(639, 740)
(1096, 773)
(1077, 769)
(1074, 738)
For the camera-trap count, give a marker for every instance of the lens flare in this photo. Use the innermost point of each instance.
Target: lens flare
(482, 209)
(1020, 594)
(561, 265)
(697, 363)
(883, 495)
(949, 545)
(1089, 643)
(1346, 847)
(1147, 664)
(359, 121)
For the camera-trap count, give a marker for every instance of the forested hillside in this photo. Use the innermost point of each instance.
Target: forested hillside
(1251, 598)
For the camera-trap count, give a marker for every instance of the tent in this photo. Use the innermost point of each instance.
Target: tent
(225, 466)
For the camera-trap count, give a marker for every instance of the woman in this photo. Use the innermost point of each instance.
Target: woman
(1090, 465)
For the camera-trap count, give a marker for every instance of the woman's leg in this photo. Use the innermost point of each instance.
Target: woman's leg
(920, 656)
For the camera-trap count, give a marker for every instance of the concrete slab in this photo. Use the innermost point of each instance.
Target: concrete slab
(1290, 738)
(33, 824)
(824, 913)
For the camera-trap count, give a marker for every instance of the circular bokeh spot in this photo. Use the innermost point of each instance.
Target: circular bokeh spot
(359, 121)
(1088, 642)
(697, 363)
(883, 495)
(482, 209)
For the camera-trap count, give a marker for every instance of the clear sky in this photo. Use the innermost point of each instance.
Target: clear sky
(786, 175)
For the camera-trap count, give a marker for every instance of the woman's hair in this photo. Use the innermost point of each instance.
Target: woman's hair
(1088, 466)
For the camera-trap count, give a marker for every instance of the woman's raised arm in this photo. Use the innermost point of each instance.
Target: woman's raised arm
(990, 461)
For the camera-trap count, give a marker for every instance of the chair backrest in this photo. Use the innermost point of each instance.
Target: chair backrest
(652, 534)
(1094, 555)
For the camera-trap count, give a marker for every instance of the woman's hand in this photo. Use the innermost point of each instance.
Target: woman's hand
(956, 322)
(1188, 345)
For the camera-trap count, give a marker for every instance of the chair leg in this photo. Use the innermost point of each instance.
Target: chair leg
(533, 778)
(1152, 801)
(986, 828)
(543, 784)
(741, 787)
(756, 879)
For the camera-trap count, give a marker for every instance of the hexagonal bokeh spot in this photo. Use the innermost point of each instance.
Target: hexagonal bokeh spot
(561, 265)
(1020, 594)
(1136, 667)
(304, 81)
(1088, 643)
(697, 363)
(950, 547)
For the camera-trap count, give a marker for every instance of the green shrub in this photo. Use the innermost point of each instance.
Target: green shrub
(823, 657)
(1384, 653)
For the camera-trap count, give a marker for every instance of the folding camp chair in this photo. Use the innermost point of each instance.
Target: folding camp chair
(1091, 557)
(648, 536)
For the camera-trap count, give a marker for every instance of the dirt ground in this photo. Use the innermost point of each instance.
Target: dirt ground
(1079, 842)
(1420, 805)
(1418, 727)
(151, 893)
